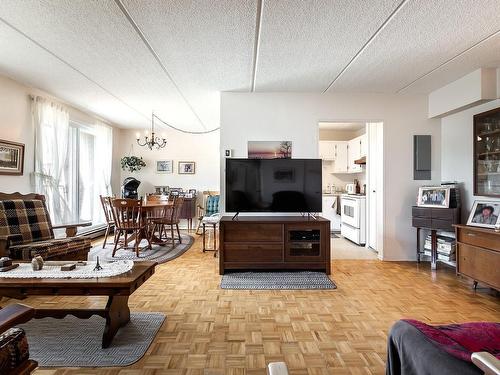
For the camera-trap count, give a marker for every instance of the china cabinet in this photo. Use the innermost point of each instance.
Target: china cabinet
(487, 153)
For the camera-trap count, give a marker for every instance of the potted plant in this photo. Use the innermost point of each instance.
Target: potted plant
(132, 163)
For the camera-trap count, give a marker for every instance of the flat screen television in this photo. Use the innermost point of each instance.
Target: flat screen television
(273, 185)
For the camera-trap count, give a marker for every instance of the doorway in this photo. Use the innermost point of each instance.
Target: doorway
(352, 159)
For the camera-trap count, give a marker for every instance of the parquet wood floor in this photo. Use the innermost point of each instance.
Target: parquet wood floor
(212, 331)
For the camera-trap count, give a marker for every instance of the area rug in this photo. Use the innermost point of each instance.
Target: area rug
(277, 280)
(73, 342)
(159, 254)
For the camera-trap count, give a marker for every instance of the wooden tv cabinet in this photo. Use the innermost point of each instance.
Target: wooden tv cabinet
(274, 242)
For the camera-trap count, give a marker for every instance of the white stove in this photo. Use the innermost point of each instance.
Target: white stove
(353, 218)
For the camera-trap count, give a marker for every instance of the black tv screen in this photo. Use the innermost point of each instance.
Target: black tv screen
(273, 185)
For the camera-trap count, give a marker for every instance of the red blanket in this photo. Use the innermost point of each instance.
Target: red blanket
(461, 340)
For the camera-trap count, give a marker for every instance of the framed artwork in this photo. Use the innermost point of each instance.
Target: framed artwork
(269, 149)
(434, 196)
(186, 167)
(484, 214)
(165, 166)
(11, 158)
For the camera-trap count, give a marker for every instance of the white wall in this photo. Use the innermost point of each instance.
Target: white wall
(202, 149)
(16, 125)
(295, 117)
(457, 151)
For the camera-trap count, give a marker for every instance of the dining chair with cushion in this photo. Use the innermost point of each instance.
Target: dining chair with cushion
(129, 221)
(209, 207)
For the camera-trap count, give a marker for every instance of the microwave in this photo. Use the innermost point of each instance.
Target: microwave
(350, 188)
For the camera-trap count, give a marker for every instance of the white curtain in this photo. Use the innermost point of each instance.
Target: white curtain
(51, 122)
(103, 154)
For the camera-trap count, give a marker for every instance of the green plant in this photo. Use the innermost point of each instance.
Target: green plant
(132, 163)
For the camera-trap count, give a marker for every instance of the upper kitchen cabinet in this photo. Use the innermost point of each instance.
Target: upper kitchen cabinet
(341, 164)
(327, 150)
(356, 150)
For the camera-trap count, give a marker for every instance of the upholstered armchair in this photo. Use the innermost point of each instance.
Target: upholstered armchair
(14, 351)
(27, 231)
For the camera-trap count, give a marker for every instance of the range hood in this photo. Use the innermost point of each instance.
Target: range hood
(360, 160)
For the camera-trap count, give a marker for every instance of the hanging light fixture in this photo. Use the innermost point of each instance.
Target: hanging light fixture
(152, 141)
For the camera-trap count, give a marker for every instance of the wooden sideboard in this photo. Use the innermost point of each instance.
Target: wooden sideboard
(433, 219)
(270, 242)
(188, 211)
(478, 254)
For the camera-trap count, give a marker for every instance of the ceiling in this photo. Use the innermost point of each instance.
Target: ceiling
(122, 59)
(342, 126)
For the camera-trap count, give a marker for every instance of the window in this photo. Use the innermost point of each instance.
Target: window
(72, 164)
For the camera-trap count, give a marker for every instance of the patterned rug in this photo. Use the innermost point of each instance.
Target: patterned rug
(277, 280)
(159, 254)
(73, 342)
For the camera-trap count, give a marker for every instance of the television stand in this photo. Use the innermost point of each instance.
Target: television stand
(274, 242)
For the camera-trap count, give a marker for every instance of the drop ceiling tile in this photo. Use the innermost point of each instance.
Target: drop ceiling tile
(305, 44)
(423, 35)
(207, 46)
(97, 39)
(485, 55)
(28, 63)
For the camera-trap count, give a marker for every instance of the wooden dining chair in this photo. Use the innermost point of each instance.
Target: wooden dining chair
(171, 216)
(157, 216)
(108, 215)
(128, 218)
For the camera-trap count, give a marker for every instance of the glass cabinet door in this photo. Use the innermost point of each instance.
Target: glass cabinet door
(487, 153)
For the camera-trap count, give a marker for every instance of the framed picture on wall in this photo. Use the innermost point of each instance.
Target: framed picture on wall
(186, 167)
(434, 196)
(484, 214)
(165, 166)
(11, 158)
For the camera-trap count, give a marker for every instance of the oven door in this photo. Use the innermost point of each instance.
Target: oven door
(350, 211)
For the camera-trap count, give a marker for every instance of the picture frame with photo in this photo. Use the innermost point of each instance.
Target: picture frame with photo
(485, 214)
(186, 167)
(165, 166)
(11, 158)
(434, 196)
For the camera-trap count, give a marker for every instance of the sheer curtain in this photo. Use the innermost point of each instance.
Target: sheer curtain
(51, 122)
(103, 154)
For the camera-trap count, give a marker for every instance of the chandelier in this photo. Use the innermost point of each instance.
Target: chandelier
(152, 141)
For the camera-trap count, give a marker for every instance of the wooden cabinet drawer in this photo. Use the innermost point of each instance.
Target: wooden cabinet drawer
(441, 224)
(443, 214)
(421, 222)
(421, 212)
(257, 252)
(479, 264)
(479, 238)
(235, 232)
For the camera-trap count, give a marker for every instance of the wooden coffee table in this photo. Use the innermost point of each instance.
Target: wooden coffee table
(117, 288)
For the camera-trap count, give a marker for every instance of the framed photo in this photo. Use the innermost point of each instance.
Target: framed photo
(434, 196)
(186, 167)
(165, 166)
(269, 149)
(11, 158)
(484, 214)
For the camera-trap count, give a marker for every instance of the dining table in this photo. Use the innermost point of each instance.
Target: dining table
(147, 207)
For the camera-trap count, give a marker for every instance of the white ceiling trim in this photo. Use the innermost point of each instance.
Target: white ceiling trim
(448, 61)
(258, 24)
(145, 40)
(72, 67)
(368, 42)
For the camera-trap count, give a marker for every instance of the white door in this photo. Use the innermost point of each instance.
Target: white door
(375, 170)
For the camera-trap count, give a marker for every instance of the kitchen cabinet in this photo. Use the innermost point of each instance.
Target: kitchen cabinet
(363, 145)
(341, 164)
(354, 153)
(327, 150)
